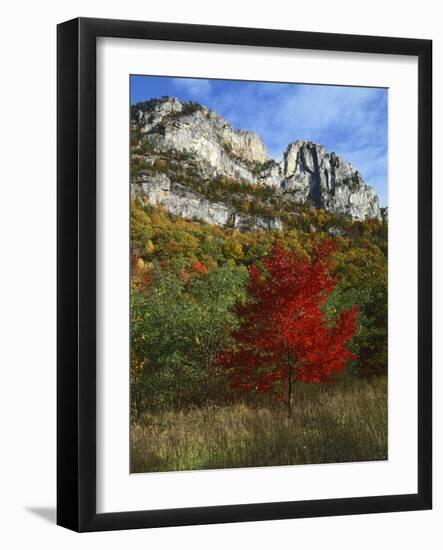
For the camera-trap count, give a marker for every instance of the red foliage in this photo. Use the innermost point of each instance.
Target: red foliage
(141, 275)
(199, 267)
(284, 335)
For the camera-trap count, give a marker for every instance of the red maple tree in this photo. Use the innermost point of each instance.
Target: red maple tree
(284, 334)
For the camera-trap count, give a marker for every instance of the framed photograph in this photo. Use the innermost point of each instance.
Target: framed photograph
(244, 274)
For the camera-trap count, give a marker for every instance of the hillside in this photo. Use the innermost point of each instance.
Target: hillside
(191, 161)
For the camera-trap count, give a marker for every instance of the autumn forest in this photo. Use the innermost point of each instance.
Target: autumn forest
(257, 348)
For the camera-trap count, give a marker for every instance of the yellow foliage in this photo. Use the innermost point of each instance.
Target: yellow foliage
(150, 246)
(233, 249)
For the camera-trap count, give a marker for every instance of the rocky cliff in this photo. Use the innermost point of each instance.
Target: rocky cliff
(181, 201)
(181, 151)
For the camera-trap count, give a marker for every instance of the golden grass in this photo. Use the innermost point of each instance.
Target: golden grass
(341, 423)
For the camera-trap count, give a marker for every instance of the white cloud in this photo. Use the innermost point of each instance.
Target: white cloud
(193, 86)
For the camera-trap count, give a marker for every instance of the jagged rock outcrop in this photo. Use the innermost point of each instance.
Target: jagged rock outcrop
(172, 125)
(329, 182)
(208, 147)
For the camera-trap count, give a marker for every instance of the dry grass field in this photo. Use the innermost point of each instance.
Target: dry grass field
(338, 423)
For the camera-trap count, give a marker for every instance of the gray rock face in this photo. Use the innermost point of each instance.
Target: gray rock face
(181, 201)
(175, 126)
(307, 172)
(310, 173)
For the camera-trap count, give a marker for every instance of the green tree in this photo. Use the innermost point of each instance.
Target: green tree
(372, 338)
(161, 342)
(178, 326)
(215, 296)
(370, 343)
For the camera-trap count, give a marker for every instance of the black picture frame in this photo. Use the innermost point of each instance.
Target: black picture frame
(76, 280)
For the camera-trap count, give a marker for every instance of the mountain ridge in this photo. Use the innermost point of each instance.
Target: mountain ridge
(182, 150)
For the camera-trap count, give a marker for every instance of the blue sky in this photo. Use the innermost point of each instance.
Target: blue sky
(352, 121)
